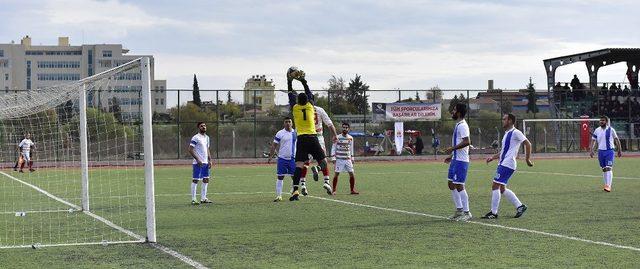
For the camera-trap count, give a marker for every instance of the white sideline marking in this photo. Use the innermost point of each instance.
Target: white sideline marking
(140, 238)
(482, 223)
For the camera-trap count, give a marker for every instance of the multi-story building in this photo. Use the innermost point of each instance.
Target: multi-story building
(264, 92)
(27, 67)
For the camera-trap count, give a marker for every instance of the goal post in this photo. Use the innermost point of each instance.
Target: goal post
(89, 177)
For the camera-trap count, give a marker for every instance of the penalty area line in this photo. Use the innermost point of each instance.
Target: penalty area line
(566, 237)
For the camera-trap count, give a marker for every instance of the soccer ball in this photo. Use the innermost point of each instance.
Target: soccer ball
(295, 73)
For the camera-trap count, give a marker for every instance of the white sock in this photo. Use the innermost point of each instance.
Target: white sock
(279, 187)
(464, 198)
(303, 183)
(495, 201)
(512, 198)
(194, 186)
(608, 178)
(455, 195)
(203, 192)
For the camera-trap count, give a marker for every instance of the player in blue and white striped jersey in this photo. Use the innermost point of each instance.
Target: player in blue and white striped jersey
(607, 139)
(459, 163)
(286, 140)
(511, 142)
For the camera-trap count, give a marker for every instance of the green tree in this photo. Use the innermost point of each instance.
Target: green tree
(453, 102)
(532, 98)
(114, 108)
(417, 96)
(229, 100)
(434, 94)
(338, 96)
(231, 111)
(273, 111)
(196, 92)
(356, 95)
(189, 115)
(506, 106)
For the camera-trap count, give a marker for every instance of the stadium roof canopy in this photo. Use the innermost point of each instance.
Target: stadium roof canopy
(594, 60)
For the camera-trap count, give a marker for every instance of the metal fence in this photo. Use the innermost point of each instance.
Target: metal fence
(243, 130)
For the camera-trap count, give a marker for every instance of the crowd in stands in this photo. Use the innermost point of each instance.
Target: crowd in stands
(613, 100)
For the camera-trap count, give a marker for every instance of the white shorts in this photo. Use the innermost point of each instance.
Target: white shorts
(322, 145)
(26, 156)
(343, 166)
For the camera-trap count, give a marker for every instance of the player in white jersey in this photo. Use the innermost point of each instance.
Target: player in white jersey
(285, 139)
(607, 140)
(342, 155)
(459, 163)
(511, 142)
(321, 117)
(199, 150)
(26, 148)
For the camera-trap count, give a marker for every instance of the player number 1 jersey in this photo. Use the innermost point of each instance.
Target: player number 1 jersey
(304, 119)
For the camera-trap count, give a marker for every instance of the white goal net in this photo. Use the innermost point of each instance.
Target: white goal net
(77, 162)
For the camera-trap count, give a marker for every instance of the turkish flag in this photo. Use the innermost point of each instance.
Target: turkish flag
(585, 133)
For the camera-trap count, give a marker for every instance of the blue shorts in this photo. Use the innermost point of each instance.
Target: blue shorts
(605, 157)
(200, 172)
(286, 167)
(458, 171)
(503, 174)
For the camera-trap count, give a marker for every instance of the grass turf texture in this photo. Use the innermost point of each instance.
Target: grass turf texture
(244, 228)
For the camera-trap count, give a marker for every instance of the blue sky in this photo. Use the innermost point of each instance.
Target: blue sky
(393, 44)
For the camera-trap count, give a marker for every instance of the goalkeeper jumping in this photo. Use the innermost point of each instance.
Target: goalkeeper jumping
(304, 117)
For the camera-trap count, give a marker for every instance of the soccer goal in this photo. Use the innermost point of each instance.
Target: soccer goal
(559, 135)
(88, 178)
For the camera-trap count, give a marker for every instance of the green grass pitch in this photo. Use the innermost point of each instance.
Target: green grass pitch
(245, 229)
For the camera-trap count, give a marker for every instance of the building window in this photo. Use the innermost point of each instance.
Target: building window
(6, 89)
(105, 63)
(64, 53)
(28, 75)
(162, 101)
(58, 64)
(157, 101)
(90, 67)
(6, 76)
(106, 53)
(56, 77)
(1, 53)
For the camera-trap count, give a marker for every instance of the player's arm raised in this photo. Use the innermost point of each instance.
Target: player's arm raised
(307, 90)
(291, 94)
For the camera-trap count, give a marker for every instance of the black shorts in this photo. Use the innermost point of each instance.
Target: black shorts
(308, 145)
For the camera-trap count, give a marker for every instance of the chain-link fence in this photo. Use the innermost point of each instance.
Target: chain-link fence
(242, 123)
